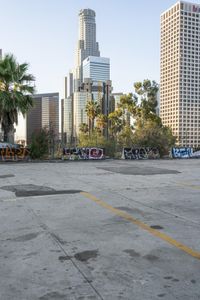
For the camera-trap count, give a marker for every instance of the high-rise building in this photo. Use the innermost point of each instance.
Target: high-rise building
(87, 44)
(90, 80)
(0, 53)
(96, 68)
(69, 84)
(80, 115)
(67, 120)
(180, 72)
(43, 114)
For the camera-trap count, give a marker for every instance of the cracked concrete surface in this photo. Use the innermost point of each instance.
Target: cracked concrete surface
(65, 246)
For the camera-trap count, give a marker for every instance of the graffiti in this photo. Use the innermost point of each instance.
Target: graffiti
(13, 152)
(182, 152)
(140, 153)
(83, 153)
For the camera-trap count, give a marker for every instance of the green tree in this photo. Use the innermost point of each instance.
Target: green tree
(16, 88)
(92, 109)
(126, 137)
(147, 90)
(39, 147)
(154, 135)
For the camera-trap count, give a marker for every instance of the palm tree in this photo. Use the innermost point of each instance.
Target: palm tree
(116, 123)
(84, 128)
(15, 93)
(92, 109)
(101, 122)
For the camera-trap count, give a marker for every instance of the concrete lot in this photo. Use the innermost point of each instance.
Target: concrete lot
(100, 230)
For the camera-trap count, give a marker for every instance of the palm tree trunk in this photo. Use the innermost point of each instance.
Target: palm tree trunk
(9, 134)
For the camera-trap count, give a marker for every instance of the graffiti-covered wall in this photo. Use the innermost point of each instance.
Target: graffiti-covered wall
(83, 153)
(140, 153)
(10, 152)
(182, 152)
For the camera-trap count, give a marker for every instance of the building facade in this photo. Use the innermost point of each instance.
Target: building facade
(80, 115)
(96, 68)
(43, 114)
(67, 120)
(180, 72)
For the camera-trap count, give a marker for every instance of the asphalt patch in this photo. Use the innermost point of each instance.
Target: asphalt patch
(25, 237)
(53, 296)
(161, 295)
(64, 258)
(132, 252)
(29, 190)
(135, 170)
(151, 257)
(6, 176)
(86, 255)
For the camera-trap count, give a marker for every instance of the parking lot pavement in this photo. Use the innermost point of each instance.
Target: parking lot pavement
(100, 230)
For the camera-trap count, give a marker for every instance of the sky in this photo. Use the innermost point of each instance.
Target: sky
(44, 33)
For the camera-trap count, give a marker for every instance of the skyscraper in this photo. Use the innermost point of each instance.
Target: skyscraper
(91, 78)
(43, 114)
(87, 44)
(180, 72)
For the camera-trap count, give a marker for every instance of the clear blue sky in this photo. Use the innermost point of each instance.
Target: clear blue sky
(45, 32)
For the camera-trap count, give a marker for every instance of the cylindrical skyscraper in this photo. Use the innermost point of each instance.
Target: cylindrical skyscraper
(87, 45)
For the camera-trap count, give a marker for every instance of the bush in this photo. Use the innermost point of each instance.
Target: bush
(39, 147)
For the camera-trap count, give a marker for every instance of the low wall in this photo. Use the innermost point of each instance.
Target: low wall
(83, 153)
(14, 154)
(140, 153)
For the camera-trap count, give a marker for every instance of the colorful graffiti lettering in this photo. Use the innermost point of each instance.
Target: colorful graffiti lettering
(83, 153)
(182, 152)
(13, 153)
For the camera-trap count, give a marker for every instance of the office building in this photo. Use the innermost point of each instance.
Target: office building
(80, 115)
(87, 44)
(67, 120)
(43, 114)
(180, 72)
(69, 85)
(90, 80)
(96, 68)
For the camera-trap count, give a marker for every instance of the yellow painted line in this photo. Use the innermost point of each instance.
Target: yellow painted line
(142, 225)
